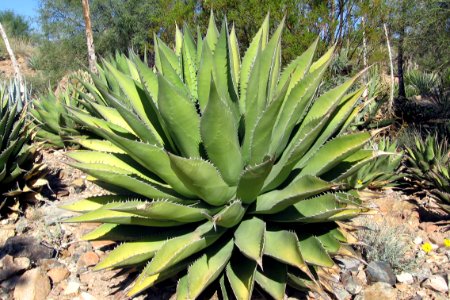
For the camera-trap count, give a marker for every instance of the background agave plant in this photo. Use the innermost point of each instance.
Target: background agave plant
(19, 174)
(50, 113)
(223, 170)
(428, 166)
(381, 172)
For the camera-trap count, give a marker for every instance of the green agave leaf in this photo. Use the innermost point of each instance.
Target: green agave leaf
(289, 253)
(297, 69)
(222, 71)
(145, 281)
(207, 268)
(103, 215)
(112, 115)
(273, 279)
(329, 242)
(189, 62)
(117, 232)
(179, 248)
(220, 137)
(317, 209)
(252, 179)
(203, 179)
(152, 157)
(303, 187)
(165, 53)
(247, 67)
(241, 276)
(334, 151)
(98, 145)
(118, 162)
(165, 210)
(230, 216)
(181, 118)
(212, 34)
(313, 251)
(93, 203)
(178, 40)
(139, 186)
(262, 135)
(130, 253)
(249, 238)
(204, 76)
(235, 59)
(147, 77)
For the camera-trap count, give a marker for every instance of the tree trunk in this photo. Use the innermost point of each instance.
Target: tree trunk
(15, 64)
(401, 83)
(364, 48)
(89, 37)
(391, 65)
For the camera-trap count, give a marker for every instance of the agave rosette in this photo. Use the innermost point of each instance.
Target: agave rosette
(223, 170)
(20, 175)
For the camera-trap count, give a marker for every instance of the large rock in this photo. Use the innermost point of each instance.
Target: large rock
(27, 247)
(380, 271)
(379, 291)
(436, 283)
(32, 285)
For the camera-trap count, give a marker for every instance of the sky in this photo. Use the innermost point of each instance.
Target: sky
(27, 8)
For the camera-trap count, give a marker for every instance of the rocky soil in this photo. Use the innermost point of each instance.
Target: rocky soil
(43, 258)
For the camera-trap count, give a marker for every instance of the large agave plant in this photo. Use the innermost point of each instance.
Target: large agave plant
(19, 174)
(223, 170)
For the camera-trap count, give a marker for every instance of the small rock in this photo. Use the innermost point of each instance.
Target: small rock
(429, 227)
(49, 263)
(100, 244)
(88, 259)
(58, 274)
(423, 273)
(32, 285)
(86, 296)
(21, 225)
(27, 247)
(10, 283)
(5, 234)
(418, 240)
(436, 283)
(10, 266)
(405, 278)
(380, 271)
(349, 263)
(72, 288)
(352, 286)
(378, 291)
(341, 294)
(362, 278)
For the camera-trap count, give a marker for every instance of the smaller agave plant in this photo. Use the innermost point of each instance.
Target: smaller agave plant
(225, 172)
(382, 172)
(50, 113)
(20, 175)
(428, 166)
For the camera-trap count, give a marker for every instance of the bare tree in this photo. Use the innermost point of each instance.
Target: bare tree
(391, 98)
(89, 37)
(15, 64)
